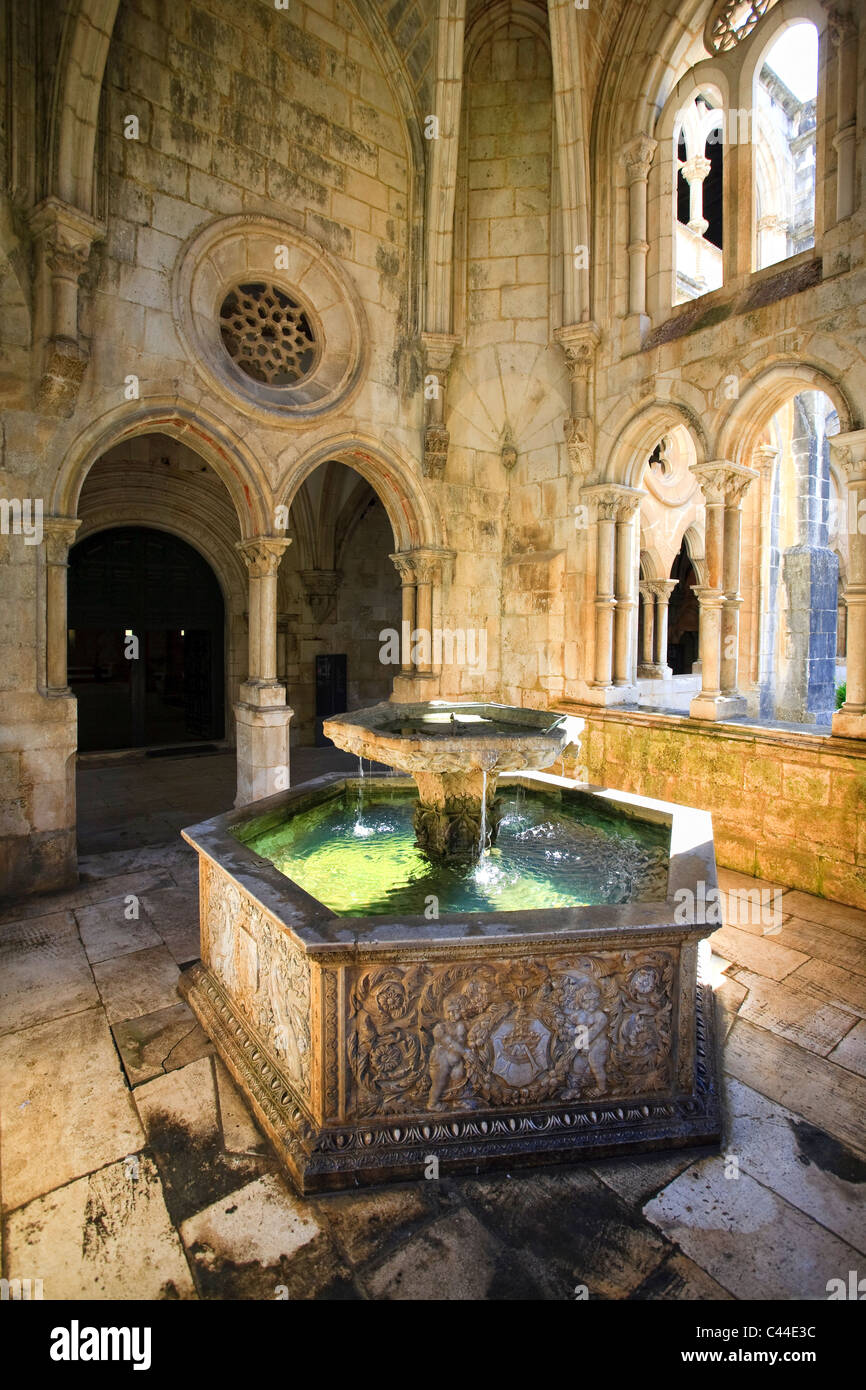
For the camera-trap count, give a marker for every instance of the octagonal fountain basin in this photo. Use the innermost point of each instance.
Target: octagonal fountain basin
(383, 1013)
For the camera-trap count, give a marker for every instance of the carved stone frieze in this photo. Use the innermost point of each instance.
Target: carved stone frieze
(436, 441)
(265, 975)
(510, 1032)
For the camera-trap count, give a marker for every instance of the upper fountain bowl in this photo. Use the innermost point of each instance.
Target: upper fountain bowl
(450, 737)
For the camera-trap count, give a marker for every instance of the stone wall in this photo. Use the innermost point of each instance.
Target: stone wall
(786, 807)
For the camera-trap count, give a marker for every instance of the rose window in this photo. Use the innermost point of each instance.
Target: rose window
(268, 335)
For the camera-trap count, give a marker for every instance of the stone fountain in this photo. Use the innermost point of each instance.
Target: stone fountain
(455, 755)
(378, 1042)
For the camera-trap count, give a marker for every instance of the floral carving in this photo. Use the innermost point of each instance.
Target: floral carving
(529, 1031)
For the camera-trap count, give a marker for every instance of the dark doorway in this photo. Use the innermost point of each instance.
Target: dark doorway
(683, 616)
(146, 625)
(330, 691)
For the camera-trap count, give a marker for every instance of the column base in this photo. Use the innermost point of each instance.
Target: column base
(262, 749)
(850, 721)
(655, 673)
(263, 694)
(415, 689)
(610, 694)
(717, 707)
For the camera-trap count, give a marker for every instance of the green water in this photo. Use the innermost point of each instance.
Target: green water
(357, 854)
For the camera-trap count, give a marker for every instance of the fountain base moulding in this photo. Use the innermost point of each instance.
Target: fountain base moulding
(368, 1047)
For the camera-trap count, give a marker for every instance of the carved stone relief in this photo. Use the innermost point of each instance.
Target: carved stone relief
(514, 1032)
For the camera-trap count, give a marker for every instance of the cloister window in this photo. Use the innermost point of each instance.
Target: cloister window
(699, 200)
(786, 93)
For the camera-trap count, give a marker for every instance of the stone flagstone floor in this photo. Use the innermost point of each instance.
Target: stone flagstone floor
(130, 1167)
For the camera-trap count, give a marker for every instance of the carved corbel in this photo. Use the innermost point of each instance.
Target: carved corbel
(438, 352)
(509, 450)
(579, 343)
(64, 237)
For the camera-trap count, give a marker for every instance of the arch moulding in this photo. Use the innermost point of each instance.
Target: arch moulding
(414, 520)
(227, 455)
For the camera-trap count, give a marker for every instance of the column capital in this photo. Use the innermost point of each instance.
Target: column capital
(613, 501)
(763, 458)
(849, 452)
(579, 342)
(637, 156)
(662, 588)
(439, 350)
(263, 554)
(722, 481)
(695, 170)
(67, 235)
(59, 533)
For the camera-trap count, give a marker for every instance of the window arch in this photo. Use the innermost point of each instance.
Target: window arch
(785, 129)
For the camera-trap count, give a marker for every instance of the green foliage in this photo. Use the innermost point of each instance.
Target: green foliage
(840, 694)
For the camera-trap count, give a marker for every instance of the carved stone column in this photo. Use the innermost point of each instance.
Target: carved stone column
(438, 352)
(663, 589)
(614, 507)
(59, 533)
(694, 171)
(843, 33)
(626, 603)
(731, 585)
(647, 670)
(850, 453)
(637, 156)
(425, 572)
(723, 484)
(262, 716)
(64, 237)
(763, 461)
(579, 343)
(405, 567)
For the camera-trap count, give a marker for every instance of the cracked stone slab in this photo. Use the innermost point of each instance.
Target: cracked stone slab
(106, 1235)
(174, 915)
(794, 1010)
(836, 915)
(160, 1042)
(66, 1109)
(851, 1051)
(798, 1161)
(106, 931)
(263, 1242)
(44, 972)
(761, 954)
(180, 1114)
(137, 984)
(747, 1238)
